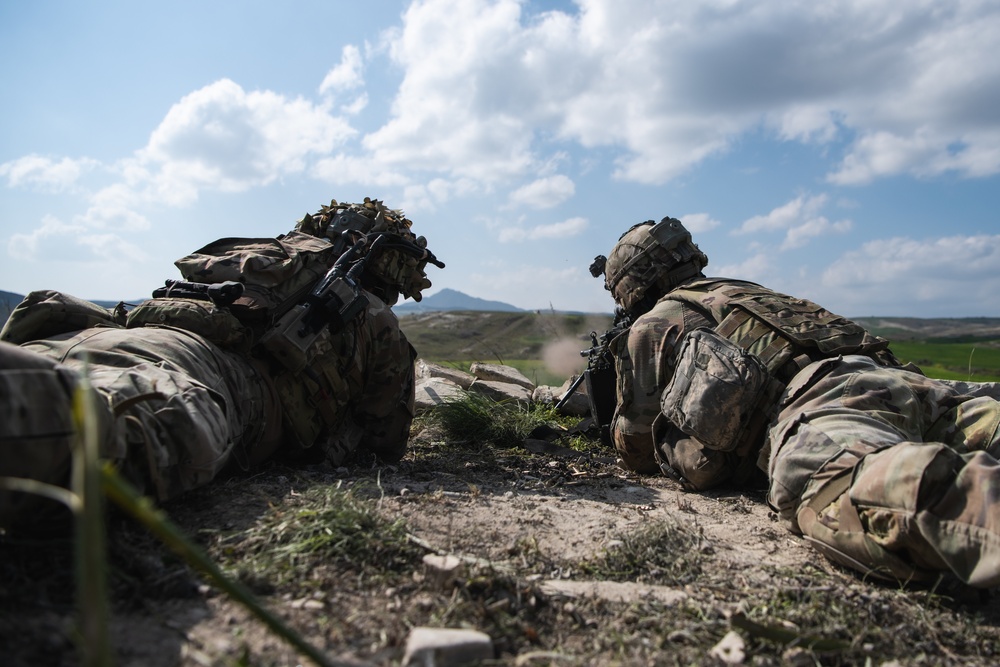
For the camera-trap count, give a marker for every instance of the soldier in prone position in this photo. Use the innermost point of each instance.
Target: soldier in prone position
(296, 351)
(723, 381)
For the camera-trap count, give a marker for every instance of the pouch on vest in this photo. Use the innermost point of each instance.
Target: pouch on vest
(204, 318)
(47, 313)
(314, 399)
(716, 390)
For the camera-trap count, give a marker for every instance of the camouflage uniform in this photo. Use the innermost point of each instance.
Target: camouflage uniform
(890, 472)
(177, 408)
(882, 469)
(644, 359)
(178, 404)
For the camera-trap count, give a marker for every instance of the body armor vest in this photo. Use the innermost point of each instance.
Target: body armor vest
(784, 332)
(728, 380)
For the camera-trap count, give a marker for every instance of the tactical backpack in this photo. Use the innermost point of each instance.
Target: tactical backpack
(272, 276)
(276, 273)
(47, 313)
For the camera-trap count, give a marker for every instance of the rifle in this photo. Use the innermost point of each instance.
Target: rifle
(333, 302)
(600, 376)
(221, 294)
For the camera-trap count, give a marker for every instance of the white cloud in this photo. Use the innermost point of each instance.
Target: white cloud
(224, 138)
(356, 105)
(540, 287)
(912, 262)
(345, 168)
(543, 193)
(758, 268)
(428, 196)
(114, 207)
(558, 230)
(800, 235)
(113, 248)
(457, 108)
(951, 275)
(46, 174)
(784, 216)
(800, 219)
(347, 75)
(699, 223)
(486, 87)
(218, 138)
(26, 245)
(72, 242)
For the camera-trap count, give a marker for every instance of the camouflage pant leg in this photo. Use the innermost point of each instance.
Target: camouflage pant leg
(180, 406)
(36, 428)
(890, 470)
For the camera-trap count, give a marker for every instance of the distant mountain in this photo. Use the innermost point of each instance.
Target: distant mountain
(449, 299)
(8, 300)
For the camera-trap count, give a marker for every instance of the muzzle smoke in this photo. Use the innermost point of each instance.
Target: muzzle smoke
(562, 357)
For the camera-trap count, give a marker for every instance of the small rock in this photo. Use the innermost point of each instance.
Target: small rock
(502, 391)
(499, 373)
(446, 647)
(442, 570)
(543, 394)
(578, 405)
(731, 650)
(797, 656)
(434, 391)
(425, 370)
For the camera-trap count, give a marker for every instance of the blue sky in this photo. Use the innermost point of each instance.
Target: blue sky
(843, 151)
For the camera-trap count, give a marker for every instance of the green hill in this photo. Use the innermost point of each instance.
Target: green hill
(545, 346)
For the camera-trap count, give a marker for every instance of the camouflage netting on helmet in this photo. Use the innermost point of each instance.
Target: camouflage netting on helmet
(651, 259)
(399, 267)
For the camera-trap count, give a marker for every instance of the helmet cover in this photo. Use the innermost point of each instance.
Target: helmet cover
(650, 259)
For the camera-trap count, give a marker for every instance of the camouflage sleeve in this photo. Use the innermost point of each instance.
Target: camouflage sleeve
(645, 363)
(384, 409)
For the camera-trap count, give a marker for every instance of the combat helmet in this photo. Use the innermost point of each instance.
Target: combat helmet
(649, 260)
(399, 267)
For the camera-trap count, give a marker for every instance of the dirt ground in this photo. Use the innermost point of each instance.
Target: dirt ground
(532, 534)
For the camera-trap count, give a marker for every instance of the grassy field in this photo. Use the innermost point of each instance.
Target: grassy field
(526, 341)
(971, 362)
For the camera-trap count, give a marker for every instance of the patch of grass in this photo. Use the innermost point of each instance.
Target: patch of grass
(970, 362)
(665, 552)
(475, 418)
(322, 528)
(513, 612)
(834, 625)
